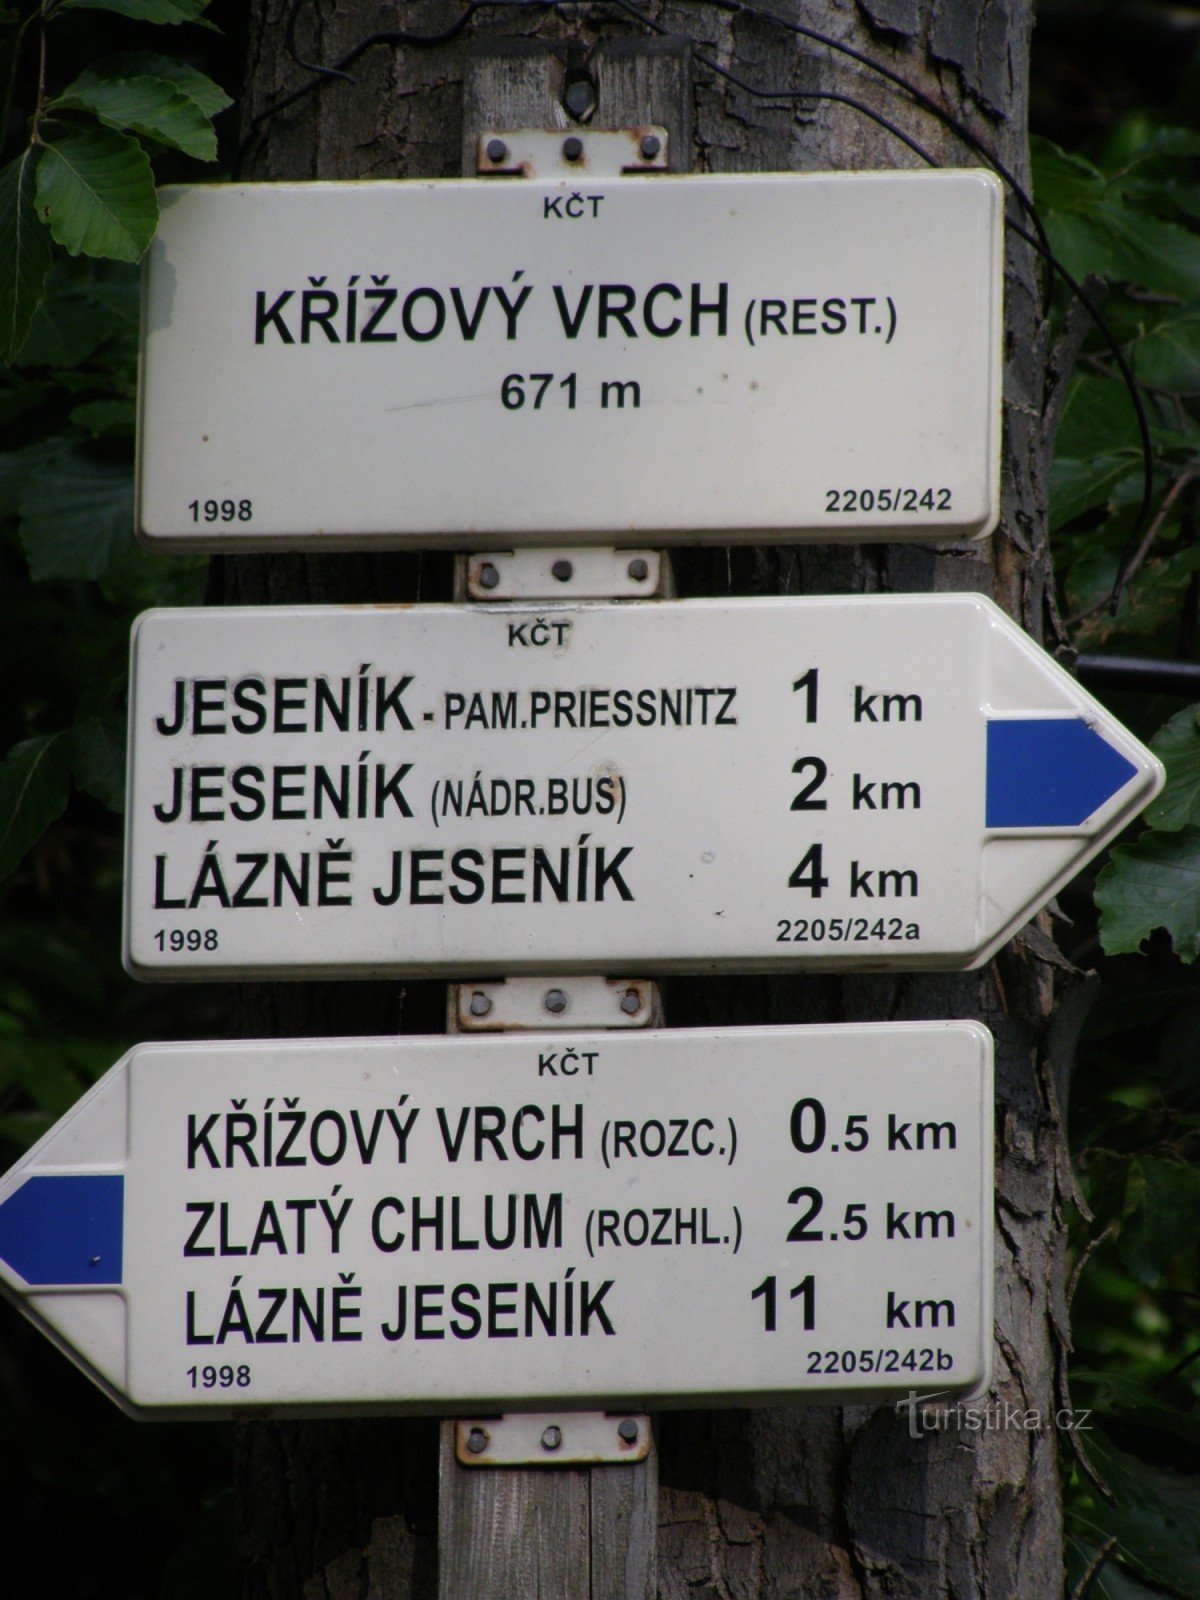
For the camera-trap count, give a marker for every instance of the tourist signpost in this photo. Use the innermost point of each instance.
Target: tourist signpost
(625, 360)
(484, 1223)
(481, 790)
(467, 1223)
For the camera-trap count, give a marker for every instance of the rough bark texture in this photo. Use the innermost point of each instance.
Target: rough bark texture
(801, 1501)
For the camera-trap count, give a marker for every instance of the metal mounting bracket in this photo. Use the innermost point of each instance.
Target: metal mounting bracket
(574, 574)
(553, 1439)
(584, 153)
(516, 1004)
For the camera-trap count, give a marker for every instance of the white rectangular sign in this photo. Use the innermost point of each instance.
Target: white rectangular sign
(465, 1224)
(689, 785)
(461, 362)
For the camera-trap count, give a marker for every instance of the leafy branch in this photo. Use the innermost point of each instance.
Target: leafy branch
(85, 180)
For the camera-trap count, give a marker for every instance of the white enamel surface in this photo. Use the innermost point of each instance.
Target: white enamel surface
(685, 1323)
(704, 811)
(889, 390)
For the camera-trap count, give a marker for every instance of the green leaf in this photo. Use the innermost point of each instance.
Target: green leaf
(1061, 181)
(1081, 244)
(1132, 1401)
(1077, 486)
(23, 1129)
(24, 252)
(1098, 419)
(74, 519)
(169, 11)
(1154, 883)
(18, 468)
(33, 794)
(1163, 142)
(96, 190)
(105, 419)
(1168, 356)
(1165, 1219)
(86, 302)
(1095, 228)
(1111, 1582)
(98, 759)
(209, 96)
(20, 396)
(150, 107)
(66, 331)
(1156, 1518)
(63, 973)
(39, 1069)
(1177, 745)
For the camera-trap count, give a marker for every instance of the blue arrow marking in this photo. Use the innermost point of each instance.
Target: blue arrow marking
(1049, 772)
(65, 1229)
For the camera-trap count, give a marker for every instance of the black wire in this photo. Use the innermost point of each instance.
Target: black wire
(294, 51)
(875, 116)
(1106, 333)
(817, 94)
(323, 74)
(926, 102)
(1040, 244)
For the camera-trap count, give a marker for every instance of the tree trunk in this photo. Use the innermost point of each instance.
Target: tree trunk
(787, 1501)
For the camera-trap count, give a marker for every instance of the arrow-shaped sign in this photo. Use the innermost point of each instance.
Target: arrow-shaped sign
(1050, 772)
(65, 1228)
(441, 1224)
(489, 789)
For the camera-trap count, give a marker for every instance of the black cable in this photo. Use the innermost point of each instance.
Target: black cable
(1140, 675)
(1106, 333)
(926, 102)
(323, 74)
(294, 51)
(1041, 243)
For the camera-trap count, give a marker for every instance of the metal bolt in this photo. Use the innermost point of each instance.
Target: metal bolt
(477, 1441)
(578, 98)
(650, 146)
(488, 576)
(638, 569)
(480, 1004)
(631, 1002)
(551, 1438)
(572, 148)
(555, 1001)
(496, 151)
(562, 570)
(627, 1429)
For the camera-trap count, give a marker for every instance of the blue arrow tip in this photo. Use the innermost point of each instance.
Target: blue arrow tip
(65, 1229)
(1049, 772)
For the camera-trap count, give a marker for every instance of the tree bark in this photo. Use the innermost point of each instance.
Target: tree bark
(788, 1501)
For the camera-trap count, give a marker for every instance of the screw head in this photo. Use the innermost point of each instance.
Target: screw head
(479, 1005)
(579, 97)
(562, 570)
(477, 1441)
(488, 576)
(551, 1438)
(638, 569)
(496, 150)
(572, 148)
(650, 146)
(627, 1429)
(555, 1001)
(631, 1002)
